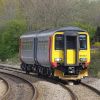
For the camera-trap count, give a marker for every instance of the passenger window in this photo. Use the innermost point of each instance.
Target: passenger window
(27, 45)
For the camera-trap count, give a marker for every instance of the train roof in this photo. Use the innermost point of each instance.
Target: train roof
(70, 28)
(52, 31)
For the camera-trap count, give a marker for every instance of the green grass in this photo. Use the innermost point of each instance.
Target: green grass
(94, 67)
(12, 61)
(97, 44)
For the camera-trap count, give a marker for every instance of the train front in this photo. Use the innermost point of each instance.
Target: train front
(70, 54)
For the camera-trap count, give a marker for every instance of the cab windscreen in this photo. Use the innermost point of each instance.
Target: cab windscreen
(83, 42)
(59, 42)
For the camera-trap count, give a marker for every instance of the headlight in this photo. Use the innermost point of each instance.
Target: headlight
(58, 59)
(83, 59)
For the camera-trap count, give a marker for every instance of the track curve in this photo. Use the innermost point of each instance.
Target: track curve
(6, 89)
(72, 94)
(77, 92)
(20, 86)
(92, 88)
(85, 92)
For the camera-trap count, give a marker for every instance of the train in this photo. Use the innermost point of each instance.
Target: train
(62, 52)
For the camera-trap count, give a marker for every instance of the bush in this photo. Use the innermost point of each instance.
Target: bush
(9, 38)
(94, 67)
(97, 44)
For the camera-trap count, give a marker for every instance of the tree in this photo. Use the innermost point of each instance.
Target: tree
(10, 38)
(89, 28)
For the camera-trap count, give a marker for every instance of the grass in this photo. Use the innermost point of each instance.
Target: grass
(94, 67)
(13, 61)
(97, 44)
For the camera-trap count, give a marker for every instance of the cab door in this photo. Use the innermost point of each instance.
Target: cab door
(71, 49)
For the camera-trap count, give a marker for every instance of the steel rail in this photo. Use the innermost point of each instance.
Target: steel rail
(6, 94)
(5, 66)
(73, 95)
(91, 87)
(26, 81)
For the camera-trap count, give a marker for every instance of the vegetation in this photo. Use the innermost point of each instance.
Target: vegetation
(9, 38)
(19, 16)
(89, 28)
(96, 44)
(95, 63)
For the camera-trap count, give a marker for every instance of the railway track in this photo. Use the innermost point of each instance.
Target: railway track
(77, 92)
(10, 68)
(21, 89)
(91, 88)
(82, 91)
(85, 92)
(73, 95)
(4, 89)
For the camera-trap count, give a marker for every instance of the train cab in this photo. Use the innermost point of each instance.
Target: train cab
(71, 54)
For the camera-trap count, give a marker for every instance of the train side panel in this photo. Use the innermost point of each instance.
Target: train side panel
(27, 50)
(43, 51)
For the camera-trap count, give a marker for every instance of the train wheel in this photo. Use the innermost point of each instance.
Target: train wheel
(23, 67)
(27, 72)
(78, 81)
(39, 75)
(39, 71)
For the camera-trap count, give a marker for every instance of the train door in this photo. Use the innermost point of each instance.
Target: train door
(71, 44)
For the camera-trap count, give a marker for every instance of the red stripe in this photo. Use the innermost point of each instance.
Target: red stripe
(53, 64)
(50, 48)
(87, 63)
(20, 47)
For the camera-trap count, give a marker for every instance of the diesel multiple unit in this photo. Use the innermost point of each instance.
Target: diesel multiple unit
(63, 52)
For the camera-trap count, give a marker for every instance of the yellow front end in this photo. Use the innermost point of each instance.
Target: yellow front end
(71, 59)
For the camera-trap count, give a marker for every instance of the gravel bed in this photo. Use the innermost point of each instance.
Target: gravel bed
(3, 88)
(46, 90)
(95, 82)
(50, 91)
(19, 89)
(83, 93)
(13, 66)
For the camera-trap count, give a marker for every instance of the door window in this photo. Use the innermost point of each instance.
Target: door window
(71, 42)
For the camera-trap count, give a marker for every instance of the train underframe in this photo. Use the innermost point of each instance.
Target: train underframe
(75, 73)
